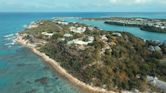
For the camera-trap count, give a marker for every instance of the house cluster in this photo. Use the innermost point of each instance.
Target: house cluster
(78, 29)
(60, 22)
(141, 21)
(155, 23)
(161, 25)
(129, 21)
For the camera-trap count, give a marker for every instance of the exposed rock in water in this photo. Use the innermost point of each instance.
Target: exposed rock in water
(18, 83)
(20, 65)
(56, 78)
(32, 91)
(43, 80)
(46, 68)
(29, 82)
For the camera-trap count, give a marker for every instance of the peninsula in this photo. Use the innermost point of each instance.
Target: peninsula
(145, 24)
(95, 60)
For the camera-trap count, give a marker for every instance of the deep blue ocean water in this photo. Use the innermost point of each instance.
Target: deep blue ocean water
(20, 68)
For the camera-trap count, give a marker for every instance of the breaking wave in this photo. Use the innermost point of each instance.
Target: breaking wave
(10, 40)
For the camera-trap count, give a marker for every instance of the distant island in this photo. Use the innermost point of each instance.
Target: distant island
(145, 24)
(96, 60)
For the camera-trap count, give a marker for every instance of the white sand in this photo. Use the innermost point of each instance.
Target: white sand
(62, 71)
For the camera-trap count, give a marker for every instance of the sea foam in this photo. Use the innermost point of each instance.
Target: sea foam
(9, 35)
(10, 40)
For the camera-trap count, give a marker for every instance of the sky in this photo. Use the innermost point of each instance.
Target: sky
(82, 5)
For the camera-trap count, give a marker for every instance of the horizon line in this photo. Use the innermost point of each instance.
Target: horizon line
(81, 12)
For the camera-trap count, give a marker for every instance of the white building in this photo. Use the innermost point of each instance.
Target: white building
(47, 34)
(91, 28)
(91, 39)
(67, 35)
(157, 26)
(61, 39)
(78, 29)
(62, 23)
(117, 34)
(163, 27)
(80, 42)
(103, 37)
(77, 41)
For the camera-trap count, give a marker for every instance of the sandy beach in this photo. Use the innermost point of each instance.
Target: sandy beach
(83, 86)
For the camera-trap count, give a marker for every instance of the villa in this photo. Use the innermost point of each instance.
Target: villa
(117, 34)
(61, 39)
(47, 34)
(68, 35)
(77, 41)
(78, 29)
(62, 23)
(80, 42)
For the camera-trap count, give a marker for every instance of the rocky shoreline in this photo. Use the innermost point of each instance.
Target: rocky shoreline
(85, 87)
(94, 60)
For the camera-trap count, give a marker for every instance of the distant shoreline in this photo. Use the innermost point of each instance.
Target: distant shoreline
(144, 24)
(62, 71)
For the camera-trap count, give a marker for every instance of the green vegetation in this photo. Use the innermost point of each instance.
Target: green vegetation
(124, 65)
(152, 29)
(145, 24)
(142, 27)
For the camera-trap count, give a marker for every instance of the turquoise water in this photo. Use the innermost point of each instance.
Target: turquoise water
(21, 70)
(134, 30)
